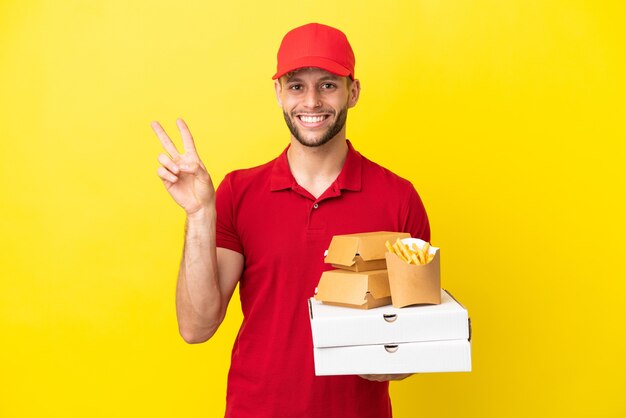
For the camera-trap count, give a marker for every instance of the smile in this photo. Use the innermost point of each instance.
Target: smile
(311, 118)
(312, 121)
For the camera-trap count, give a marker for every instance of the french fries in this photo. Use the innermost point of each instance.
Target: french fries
(410, 255)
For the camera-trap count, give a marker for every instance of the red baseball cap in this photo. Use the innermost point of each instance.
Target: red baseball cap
(315, 45)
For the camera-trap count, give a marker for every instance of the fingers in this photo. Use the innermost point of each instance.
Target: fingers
(167, 143)
(166, 176)
(385, 377)
(189, 167)
(399, 376)
(188, 143)
(197, 169)
(169, 170)
(168, 163)
(372, 377)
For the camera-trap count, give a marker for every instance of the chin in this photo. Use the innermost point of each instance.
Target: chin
(313, 142)
(322, 138)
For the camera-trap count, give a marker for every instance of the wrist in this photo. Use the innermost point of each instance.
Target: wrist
(204, 214)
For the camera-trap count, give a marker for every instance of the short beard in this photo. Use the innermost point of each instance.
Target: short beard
(332, 131)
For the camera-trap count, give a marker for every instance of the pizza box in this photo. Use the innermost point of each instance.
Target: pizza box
(335, 326)
(418, 357)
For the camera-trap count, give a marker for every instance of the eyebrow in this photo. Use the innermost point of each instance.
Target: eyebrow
(295, 78)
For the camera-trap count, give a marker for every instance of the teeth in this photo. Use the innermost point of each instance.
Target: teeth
(312, 119)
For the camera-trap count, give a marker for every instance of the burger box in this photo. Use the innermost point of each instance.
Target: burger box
(383, 340)
(412, 284)
(361, 252)
(363, 290)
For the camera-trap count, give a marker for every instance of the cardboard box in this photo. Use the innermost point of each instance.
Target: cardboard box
(361, 252)
(362, 290)
(423, 357)
(334, 326)
(418, 339)
(412, 284)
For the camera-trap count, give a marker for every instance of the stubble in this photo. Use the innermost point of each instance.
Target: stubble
(330, 133)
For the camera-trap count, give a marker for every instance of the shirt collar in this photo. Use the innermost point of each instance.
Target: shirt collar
(349, 178)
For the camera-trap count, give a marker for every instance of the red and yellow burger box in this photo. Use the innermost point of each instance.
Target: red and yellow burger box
(384, 340)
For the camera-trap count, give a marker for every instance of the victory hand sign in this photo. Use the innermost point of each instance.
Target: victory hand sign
(184, 176)
(207, 276)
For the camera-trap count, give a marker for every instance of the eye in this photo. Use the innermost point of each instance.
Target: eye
(327, 86)
(295, 87)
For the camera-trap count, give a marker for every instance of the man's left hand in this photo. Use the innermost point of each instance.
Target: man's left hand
(385, 377)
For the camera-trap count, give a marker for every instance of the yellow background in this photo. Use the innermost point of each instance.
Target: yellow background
(506, 115)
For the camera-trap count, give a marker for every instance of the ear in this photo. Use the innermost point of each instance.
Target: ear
(278, 87)
(355, 91)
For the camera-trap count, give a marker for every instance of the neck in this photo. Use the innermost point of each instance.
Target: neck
(316, 168)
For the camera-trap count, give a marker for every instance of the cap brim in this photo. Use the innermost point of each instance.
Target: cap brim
(317, 62)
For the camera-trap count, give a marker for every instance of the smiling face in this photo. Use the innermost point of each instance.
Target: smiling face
(315, 104)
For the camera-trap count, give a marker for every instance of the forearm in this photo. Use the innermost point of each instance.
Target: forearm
(198, 295)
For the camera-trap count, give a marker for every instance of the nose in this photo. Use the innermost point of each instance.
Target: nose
(312, 98)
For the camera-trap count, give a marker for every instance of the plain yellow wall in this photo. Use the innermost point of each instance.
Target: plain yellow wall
(506, 115)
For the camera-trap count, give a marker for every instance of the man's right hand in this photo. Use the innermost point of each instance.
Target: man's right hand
(183, 175)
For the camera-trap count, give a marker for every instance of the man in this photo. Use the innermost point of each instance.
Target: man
(267, 228)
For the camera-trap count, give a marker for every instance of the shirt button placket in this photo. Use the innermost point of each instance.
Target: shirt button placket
(314, 222)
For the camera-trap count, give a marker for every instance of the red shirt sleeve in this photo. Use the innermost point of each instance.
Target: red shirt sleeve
(415, 218)
(226, 233)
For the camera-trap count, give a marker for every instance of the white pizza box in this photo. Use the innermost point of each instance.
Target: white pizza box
(420, 357)
(335, 326)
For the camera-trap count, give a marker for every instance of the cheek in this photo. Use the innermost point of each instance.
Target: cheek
(282, 100)
(286, 102)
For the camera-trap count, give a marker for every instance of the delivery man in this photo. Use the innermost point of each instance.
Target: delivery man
(267, 227)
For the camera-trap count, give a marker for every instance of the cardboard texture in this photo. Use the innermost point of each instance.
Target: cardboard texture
(420, 357)
(363, 290)
(412, 284)
(361, 252)
(417, 339)
(334, 326)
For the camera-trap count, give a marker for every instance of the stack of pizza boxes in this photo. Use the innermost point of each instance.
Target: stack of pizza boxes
(377, 314)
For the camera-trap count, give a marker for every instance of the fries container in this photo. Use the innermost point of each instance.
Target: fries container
(363, 290)
(383, 340)
(361, 252)
(412, 284)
